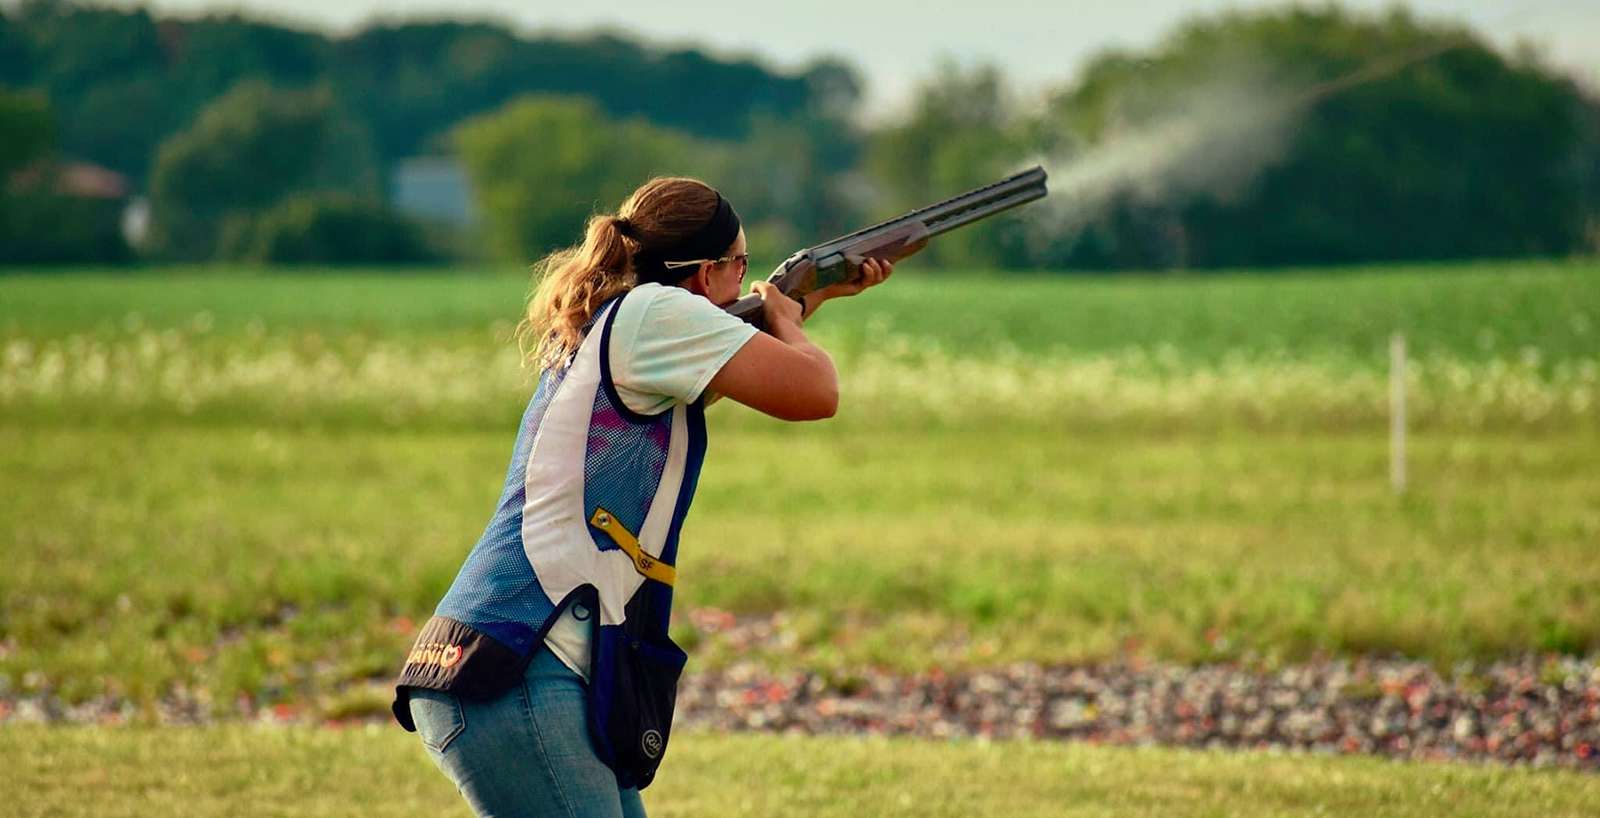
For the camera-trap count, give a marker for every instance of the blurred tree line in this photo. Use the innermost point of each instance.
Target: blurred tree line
(1294, 136)
(259, 142)
(42, 218)
(231, 125)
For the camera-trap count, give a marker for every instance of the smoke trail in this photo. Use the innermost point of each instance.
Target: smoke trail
(1212, 138)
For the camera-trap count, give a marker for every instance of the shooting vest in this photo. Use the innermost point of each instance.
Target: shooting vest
(590, 514)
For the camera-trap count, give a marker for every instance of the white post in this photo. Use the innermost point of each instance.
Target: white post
(1397, 412)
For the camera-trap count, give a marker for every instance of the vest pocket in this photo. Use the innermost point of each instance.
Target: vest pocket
(438, 716)
(632, 695)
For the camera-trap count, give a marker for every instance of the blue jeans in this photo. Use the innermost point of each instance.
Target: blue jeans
(526, 753)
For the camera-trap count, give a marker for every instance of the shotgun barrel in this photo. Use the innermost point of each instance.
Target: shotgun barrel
(840, 259)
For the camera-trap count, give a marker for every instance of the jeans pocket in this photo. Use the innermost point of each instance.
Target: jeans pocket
(438, 716)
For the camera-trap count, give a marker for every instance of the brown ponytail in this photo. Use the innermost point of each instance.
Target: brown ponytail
(573, 283)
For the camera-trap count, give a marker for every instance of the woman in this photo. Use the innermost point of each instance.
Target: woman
(543, 684)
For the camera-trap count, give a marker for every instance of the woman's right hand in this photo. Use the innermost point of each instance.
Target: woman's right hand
(776, 307)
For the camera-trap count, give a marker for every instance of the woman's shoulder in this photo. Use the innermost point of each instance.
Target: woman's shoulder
(656, 309)
(667, 343)
(654, 295)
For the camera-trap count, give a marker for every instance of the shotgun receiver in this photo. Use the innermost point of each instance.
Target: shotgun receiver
(840, 259)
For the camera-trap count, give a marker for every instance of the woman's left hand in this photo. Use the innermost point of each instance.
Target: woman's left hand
(873, 272)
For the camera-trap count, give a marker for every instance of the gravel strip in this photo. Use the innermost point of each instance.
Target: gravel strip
(1530, 710)
(1535, 711)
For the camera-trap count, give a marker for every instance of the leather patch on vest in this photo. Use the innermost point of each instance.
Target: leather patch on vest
(454, 657)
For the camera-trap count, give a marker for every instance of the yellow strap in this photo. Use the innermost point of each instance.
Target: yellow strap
(642, 562)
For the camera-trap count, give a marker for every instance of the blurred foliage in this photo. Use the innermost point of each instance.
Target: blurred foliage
(39, 223)
(245, 153)
(99, 64)
(333, 228)
(784, 141)
(963, 131)
(1444, 149)
(41, 226)
(1454, 152)
(415, 81)
(409, 83)
(541, 165)
(806, 165)
(27, 129)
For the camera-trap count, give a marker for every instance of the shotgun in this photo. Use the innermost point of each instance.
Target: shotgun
(840, 259)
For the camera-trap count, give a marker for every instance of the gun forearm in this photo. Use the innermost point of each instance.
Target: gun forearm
(839, 261)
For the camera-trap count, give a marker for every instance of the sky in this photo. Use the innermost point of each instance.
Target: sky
(897, 43)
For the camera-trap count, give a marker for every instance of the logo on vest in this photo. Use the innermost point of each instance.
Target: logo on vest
(651, 743)
(435, 653)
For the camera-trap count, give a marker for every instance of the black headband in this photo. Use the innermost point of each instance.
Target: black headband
(710, 241)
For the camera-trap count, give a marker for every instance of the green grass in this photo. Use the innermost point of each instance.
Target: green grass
(283, 563)
(259, 485)
(1124, 356)
(1473, 311)
(298, 771)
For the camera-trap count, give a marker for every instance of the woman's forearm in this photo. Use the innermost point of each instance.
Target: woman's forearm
(791, 334)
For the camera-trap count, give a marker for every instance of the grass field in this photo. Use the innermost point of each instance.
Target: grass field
(1473, 311)
(236, 484)
(296, 771)
(1493, 346)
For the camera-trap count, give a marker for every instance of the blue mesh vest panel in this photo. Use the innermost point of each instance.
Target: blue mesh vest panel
(623, 464)
(496, 590)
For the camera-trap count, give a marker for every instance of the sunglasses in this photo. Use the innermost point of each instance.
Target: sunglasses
(742, 258)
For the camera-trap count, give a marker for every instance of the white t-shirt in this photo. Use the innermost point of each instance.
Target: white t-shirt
(666, 345)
